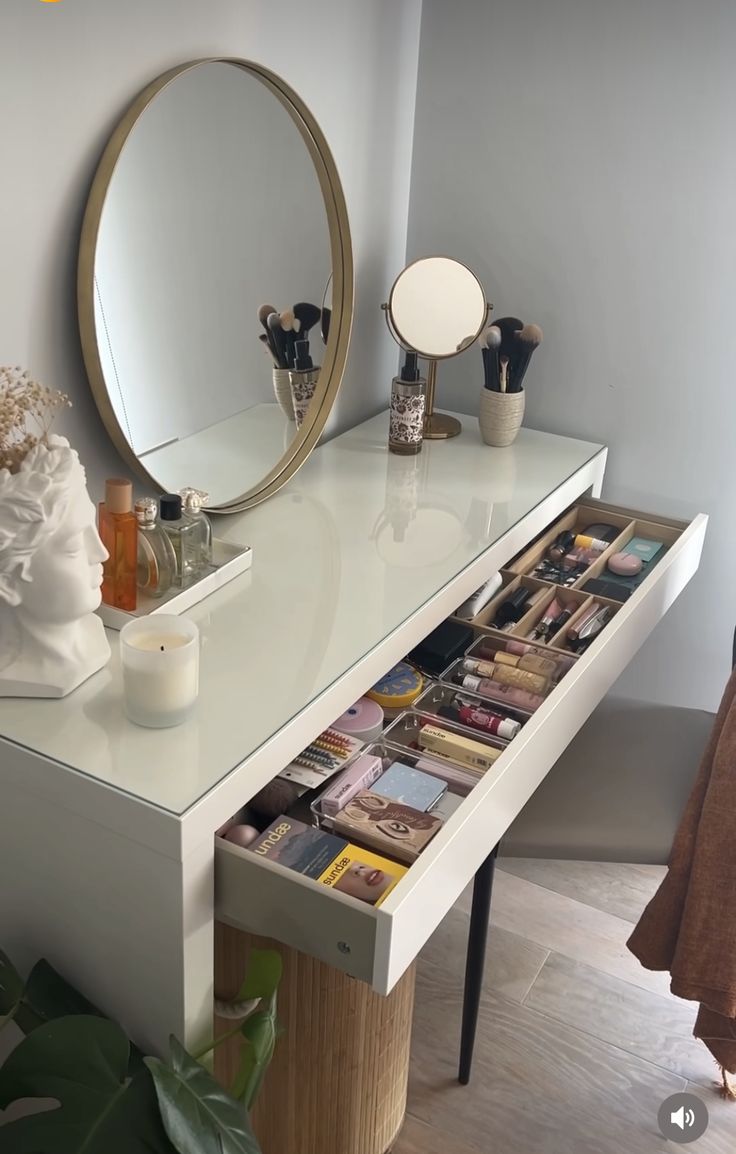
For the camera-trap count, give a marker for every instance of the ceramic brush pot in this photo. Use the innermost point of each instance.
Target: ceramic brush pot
(282, 392)
(500, 416)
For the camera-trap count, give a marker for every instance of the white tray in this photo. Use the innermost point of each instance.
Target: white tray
(228, 561)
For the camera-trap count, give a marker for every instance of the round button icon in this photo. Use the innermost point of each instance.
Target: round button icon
(683, 1118)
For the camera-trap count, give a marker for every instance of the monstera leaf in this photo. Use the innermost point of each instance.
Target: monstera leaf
(82, 1063)
(43, 998)
(200, 1117)
(11, 989)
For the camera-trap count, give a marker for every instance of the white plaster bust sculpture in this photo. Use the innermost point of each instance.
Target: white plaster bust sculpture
(50, 575)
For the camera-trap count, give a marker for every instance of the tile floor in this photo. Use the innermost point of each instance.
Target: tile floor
(577, 1044)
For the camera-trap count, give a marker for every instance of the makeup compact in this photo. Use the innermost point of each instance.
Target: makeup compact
(444, 644)
(398, 690)
(625, 564)
(363, 720)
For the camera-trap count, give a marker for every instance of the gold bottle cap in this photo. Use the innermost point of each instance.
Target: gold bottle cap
(118, 495)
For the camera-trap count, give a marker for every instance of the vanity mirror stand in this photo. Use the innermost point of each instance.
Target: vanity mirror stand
(437, 308)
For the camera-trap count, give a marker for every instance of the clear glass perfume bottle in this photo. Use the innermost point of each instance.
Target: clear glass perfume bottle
(193, 501)
(118, 529)
(182, 533)
(156, 557)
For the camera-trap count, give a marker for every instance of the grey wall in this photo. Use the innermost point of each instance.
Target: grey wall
(69, 72)
(580, 156)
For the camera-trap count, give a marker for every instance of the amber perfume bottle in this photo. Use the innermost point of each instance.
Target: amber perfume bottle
(118, 529)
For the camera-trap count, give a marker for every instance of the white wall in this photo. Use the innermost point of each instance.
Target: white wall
(579, 154)
(70, 70)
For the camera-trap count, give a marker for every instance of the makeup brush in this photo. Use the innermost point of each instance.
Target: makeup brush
(504, 375)
(490, 342)
(508, 327)
(278, 339)
(527, 341)
(267, 348)
(290, 325)
(325, 326)
(308, 315)
(264, 312)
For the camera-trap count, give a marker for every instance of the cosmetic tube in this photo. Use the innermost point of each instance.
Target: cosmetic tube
(508, 675)
(509, 695)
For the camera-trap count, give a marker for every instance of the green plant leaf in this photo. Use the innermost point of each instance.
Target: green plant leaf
(82, 1062)
(264, 974)
(259, 1041)
(11, 989)
(199, 1116)
(47, 996)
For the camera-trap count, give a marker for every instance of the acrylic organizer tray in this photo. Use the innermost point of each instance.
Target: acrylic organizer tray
(228, 561)
(412, 757)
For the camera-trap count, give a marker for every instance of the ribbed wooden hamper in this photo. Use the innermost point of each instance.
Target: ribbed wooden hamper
(338, 1081)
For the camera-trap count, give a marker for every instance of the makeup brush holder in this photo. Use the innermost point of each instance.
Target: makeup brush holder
(282, 391)
(500, 416)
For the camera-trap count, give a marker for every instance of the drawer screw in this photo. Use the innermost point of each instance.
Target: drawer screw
(343, 947)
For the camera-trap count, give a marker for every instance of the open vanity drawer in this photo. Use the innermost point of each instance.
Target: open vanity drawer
(378, 944)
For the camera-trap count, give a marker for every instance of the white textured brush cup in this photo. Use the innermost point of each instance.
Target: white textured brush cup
(282, 391)
(500, 416)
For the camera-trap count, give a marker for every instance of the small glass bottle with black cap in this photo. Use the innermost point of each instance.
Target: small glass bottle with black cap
(184, 537)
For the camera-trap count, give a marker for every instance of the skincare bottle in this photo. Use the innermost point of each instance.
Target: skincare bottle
(182, 533)
(406, 415)
(193, 501)
(303, 380)
(118, 530)
(156, 557)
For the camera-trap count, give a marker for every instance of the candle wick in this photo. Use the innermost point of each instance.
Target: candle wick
(162, 649)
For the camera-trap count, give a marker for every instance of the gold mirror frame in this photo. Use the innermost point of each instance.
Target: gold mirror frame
(336, 350)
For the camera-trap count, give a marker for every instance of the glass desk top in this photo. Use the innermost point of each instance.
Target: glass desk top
(356, 543)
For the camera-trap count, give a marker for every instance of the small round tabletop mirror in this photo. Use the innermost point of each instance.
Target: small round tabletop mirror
(438, 308)
(216, 202)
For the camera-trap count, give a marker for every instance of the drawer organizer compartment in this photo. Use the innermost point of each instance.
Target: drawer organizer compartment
(378, 943)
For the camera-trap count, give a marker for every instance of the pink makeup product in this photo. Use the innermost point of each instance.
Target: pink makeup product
(363, 720)
(477, 718)
(362, 774)
(510, 695)
(551, 613)
(590, 612)
(625, 564)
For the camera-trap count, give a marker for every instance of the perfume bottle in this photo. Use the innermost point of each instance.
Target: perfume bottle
(156, 558)
(406, 415)
(182, 533)
(118, 529)
(193, 501)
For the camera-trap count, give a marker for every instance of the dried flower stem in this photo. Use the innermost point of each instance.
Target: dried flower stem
(27, 411)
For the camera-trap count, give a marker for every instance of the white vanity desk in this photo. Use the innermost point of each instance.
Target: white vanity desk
(106, 830)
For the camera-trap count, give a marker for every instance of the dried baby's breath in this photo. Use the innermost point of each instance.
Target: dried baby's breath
(27, 411)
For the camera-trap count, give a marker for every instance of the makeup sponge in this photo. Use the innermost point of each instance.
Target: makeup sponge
(274, 799)
(625, 564)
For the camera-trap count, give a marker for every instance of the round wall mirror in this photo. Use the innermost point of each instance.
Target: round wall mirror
(437, 308)
(216, 200)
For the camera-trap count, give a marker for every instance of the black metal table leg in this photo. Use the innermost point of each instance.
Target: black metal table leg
(475, 964)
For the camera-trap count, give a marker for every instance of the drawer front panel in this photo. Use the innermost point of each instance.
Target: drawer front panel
(378, 945)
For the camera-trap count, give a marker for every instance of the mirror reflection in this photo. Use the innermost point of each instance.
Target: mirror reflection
(213, 217)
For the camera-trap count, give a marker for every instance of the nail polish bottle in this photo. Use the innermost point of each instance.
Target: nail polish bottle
(118, 529)
(182, 533)
(406, 413)
(156, 558)
(193, 501)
